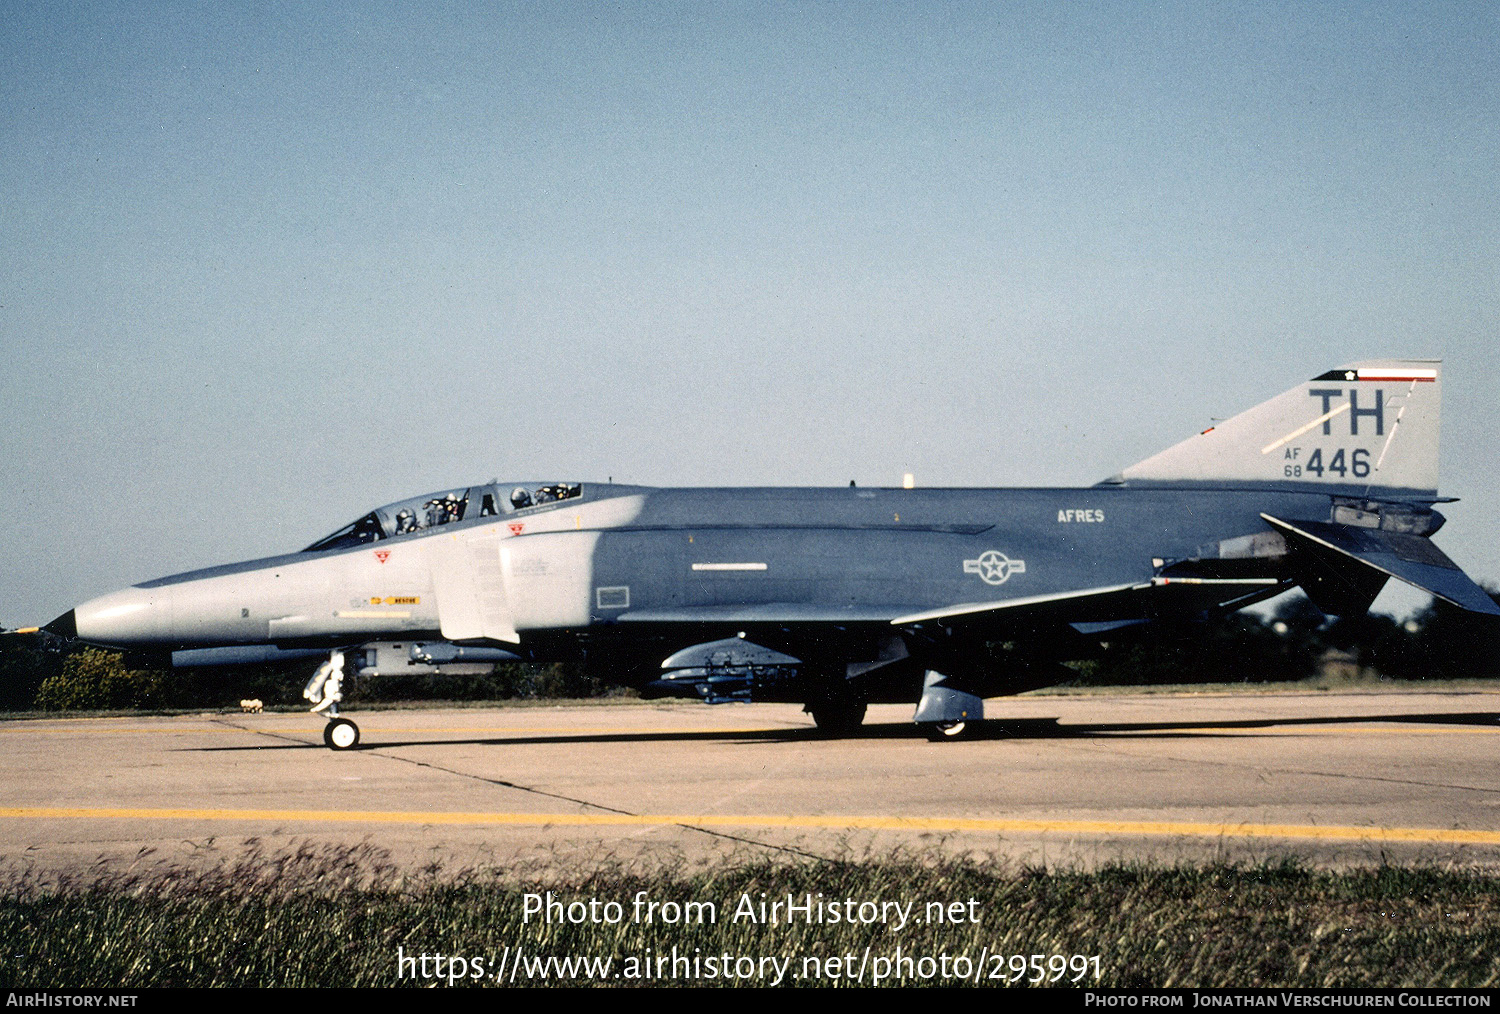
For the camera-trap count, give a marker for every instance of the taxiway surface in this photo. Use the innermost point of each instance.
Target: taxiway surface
(1330, 777)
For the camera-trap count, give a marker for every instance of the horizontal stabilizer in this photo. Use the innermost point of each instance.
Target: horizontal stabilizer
(1410, 558)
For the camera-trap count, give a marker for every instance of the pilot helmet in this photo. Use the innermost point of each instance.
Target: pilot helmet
(519, 497)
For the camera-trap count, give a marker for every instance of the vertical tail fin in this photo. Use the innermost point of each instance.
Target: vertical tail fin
(1364, 429)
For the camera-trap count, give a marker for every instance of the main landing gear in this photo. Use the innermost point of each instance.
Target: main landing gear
(325, 689)
(938, 732)
(947, 713)
(836, 717)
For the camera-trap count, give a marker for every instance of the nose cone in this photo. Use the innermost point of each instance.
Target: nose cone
(133, 616)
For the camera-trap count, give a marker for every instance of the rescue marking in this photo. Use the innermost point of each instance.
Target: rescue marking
(382, 554)
(857, 822)
(994, 567)
(516, 527)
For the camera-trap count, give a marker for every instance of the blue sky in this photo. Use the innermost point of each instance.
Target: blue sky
(264, 267)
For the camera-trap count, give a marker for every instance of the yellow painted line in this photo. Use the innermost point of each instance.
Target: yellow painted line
(1450, 836)
(1317, 730)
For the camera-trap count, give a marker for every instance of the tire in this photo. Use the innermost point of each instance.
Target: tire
(943, 732)
(341, 734)
(842, 718)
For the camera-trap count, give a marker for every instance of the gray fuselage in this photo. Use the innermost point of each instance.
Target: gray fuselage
(632, 557)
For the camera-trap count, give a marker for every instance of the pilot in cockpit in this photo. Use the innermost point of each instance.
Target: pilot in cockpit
(519, 498)
(406, 521)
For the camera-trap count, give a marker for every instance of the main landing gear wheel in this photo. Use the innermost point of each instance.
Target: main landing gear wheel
(341, 734)
(838, 719)
(941, 731)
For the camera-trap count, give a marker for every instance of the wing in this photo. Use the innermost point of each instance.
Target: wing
(1097, 610)
(1088, 610)
(767, 612)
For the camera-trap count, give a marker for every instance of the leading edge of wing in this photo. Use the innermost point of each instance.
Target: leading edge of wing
(1103, 598)
(768, 612)
(1106, 603)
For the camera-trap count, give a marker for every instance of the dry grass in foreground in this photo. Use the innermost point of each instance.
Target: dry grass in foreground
(344, 917)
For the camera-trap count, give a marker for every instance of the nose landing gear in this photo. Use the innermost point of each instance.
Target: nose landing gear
(341, 734)
(325, 688)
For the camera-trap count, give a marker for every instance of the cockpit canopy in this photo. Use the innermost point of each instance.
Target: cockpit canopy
(407, 517)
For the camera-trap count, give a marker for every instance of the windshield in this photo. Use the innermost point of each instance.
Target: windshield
(366, 529)
(431, 510)
(402, 518)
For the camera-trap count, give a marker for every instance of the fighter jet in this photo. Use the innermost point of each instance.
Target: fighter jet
(837, 598)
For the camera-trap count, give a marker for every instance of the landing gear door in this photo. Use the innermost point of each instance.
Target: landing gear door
(470, 586)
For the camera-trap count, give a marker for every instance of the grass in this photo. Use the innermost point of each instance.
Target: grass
(337, 916)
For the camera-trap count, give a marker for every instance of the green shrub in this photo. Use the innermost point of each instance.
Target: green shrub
(97, 679)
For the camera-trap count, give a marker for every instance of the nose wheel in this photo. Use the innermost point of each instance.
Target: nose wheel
(341, 734)
(325, 689)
